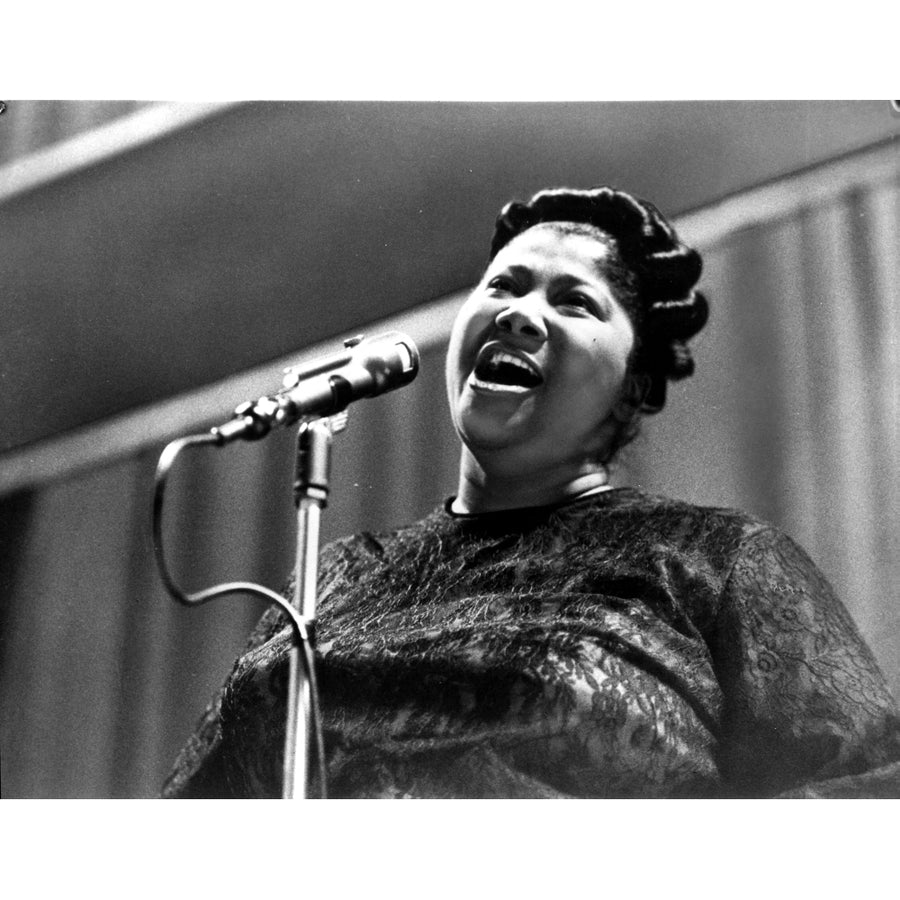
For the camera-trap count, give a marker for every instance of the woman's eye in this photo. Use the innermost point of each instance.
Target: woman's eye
(500, 283)
(578, 301)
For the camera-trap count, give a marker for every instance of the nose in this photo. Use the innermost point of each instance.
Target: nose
(522, 319)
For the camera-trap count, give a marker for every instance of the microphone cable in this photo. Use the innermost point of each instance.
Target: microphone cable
(300, 624)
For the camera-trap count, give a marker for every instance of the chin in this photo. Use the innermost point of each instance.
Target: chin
(483, 442)
(480, 430)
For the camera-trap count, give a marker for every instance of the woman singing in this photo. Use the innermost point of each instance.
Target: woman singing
(543, 634)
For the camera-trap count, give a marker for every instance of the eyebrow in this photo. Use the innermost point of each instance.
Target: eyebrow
(520, 270)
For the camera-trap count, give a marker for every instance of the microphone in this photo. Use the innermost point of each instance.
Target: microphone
(366, 367)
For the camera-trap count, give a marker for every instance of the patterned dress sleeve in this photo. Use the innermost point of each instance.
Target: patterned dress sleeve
(807, 711)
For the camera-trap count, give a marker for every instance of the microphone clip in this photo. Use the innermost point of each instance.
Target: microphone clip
(251, 421)
(327, 386)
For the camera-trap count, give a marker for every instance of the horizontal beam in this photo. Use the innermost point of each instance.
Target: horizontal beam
(716, 222)
(124, 435)
(68, 157)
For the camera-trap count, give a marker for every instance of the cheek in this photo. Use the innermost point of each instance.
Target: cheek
(600, 369)
(472, 320)
(455, 351)
(613, 358)
(614, 345)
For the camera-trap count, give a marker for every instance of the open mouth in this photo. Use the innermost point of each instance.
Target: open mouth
(498, 369)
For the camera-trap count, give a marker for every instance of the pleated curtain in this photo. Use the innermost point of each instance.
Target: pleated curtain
(793, 413)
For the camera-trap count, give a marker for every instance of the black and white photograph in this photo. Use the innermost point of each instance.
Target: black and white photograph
(450, 449)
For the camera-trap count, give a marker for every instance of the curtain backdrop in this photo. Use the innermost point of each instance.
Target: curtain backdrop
(792, 416)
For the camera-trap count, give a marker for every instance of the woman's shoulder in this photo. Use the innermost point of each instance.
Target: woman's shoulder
(659, 510)
(663, 523)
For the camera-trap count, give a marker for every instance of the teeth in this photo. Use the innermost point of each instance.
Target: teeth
(493, 371)
(496, 386)
(501, 356)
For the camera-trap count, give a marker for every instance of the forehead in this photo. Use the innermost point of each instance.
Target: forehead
(557, 246)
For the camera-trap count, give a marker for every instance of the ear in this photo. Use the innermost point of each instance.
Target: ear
(634, 390)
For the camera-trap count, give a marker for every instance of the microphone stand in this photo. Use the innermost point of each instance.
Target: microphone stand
(311, 486)
(365, 369)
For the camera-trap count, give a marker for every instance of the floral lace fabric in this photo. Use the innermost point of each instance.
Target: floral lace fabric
(623, 645)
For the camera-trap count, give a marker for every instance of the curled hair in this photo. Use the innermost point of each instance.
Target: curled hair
(652, 272)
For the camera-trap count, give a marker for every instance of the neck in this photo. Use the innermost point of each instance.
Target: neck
(486, 488)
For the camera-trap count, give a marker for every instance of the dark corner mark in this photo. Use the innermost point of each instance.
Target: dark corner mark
(895, 106)
(3, 106)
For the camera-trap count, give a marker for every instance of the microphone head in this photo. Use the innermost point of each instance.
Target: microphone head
(391, 359)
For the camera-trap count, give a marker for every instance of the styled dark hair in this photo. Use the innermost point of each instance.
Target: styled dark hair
(652, 271)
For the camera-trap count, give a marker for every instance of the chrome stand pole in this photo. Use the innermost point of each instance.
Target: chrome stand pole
(311, 496)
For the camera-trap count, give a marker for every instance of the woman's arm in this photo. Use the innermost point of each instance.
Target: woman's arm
(804, 699)
(199, 771)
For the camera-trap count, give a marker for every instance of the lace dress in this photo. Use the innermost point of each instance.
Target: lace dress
(623, 645)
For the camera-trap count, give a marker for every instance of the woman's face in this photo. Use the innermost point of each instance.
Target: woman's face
(538, 353)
